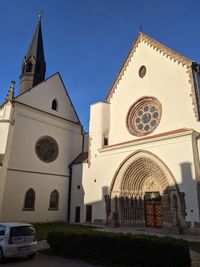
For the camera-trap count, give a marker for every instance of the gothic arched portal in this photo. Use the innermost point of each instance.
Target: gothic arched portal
(142, 191)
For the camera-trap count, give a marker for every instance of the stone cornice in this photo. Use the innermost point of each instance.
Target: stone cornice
(149, 139)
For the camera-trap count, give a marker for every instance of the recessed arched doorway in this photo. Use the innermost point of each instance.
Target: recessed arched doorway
(142, 192)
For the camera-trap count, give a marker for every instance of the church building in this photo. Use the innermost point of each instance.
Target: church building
(40, 135)
(144, 142)
(139, 163)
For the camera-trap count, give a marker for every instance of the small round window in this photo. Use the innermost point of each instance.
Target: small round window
(144, 116)
(142, 71)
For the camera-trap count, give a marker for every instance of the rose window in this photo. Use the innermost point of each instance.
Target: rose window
(46, 149)
(144, 116)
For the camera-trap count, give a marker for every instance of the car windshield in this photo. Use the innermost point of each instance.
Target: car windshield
(22, 231)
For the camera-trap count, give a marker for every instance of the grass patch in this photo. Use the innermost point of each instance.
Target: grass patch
(43, 229)
(195, 246)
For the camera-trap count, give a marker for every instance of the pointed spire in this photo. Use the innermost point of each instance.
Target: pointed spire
(36, 49)
(33, 66)
(10, 95)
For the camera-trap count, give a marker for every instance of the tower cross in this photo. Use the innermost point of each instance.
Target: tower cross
(40, 15)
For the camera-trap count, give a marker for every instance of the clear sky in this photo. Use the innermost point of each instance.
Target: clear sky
(87, 41)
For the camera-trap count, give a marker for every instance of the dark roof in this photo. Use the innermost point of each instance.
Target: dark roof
(1, 159)
(36, 47)
(83, 157)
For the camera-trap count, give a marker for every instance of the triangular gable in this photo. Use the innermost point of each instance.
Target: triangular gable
(165, 51)
(156, 45)
(42, 95)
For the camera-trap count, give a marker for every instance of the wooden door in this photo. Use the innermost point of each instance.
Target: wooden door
(153, 210)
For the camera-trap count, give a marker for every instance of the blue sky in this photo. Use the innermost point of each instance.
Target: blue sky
(88, 40)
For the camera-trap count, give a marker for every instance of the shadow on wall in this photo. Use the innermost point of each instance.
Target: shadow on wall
(153, 208)
(191, 189)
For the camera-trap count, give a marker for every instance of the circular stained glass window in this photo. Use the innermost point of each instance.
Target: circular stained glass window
(46, 149)
(144, 116)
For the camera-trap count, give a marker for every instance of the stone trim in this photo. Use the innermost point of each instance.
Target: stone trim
(137, 174)
(152, 138)
(149, 155)
(193, 93)
(47, 149)
(34, 172)
(133, 114)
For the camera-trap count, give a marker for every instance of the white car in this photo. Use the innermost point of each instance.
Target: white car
(17, 240)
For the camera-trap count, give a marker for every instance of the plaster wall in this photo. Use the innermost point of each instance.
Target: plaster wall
(77, 193)
(99, 126)
(17, 184)
(165, 80)
(42, 95)
(5, 116)
(86, 142)
(29, 126)
(7, 136)
(169, 82)
(25, 170)
(175, 152)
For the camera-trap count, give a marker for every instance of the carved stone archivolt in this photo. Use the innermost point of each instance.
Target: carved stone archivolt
(142, 176)
(46, 149)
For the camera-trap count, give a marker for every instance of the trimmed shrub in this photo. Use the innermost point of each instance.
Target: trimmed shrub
(125, 249)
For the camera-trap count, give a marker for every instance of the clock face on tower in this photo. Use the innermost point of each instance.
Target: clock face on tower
(46, 149)
(144, 116)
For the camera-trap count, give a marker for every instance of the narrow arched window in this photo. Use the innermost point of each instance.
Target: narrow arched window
(29, 201)
(54, 200)
(54, 104)
(29, 67)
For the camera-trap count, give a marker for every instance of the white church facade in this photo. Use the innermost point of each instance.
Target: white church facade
(139, 163)
(40, 135)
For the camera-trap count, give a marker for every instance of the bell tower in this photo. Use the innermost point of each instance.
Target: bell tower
(33, 66)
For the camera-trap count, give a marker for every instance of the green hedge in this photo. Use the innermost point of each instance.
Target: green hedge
(125, 249)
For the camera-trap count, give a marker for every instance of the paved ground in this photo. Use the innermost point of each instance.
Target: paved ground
(150, 231)
(45, 260)
(195, 259)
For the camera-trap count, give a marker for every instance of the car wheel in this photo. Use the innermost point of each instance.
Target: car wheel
(31, 256)
(1, 255)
